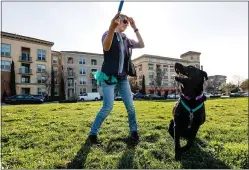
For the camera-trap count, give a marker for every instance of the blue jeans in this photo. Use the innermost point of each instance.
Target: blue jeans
(108, 100)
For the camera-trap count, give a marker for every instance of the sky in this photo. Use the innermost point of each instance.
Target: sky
(218, 30)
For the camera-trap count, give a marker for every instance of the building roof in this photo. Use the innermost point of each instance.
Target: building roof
(160, 57)
(80, 52)
(25, 38)
(219, 76)
(190, 52)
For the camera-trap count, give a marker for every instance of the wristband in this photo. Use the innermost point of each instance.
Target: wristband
(135, 30)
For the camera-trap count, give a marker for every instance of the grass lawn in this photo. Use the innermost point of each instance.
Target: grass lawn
(53, 136)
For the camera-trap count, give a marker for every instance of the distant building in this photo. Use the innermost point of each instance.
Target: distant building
(147, 64)
(212, 85)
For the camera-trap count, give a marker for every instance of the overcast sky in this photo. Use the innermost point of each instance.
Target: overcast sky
(219, 30)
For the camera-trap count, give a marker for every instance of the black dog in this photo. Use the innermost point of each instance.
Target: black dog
(189, 111)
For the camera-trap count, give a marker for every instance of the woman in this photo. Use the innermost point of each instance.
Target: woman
(117, 53)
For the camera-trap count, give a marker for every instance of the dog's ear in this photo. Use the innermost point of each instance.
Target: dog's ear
(205, 76)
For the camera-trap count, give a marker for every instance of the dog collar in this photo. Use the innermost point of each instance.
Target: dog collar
(197, 98)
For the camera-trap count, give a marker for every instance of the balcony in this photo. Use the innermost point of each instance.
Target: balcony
(25, 82)
(25, 71)
(25, 59)
(71, 74)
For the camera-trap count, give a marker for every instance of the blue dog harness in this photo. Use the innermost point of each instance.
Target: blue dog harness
(191, 111)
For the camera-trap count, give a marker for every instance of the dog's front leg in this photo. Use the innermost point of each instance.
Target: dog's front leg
(177, 142)
(191, 138)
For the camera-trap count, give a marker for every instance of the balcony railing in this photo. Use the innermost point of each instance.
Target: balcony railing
(71, 74)
(25, 59)
(25, 71)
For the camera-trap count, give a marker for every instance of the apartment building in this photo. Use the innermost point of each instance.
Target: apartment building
(147, 65)
(32, 59)
(77, 72)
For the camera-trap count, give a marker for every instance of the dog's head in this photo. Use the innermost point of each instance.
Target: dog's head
(191, 78)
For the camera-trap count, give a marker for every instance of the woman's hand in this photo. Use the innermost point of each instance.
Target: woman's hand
(115, 21)
(132, 23)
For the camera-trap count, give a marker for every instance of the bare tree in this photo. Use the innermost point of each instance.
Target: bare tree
(156, 81)
(47, 82)
(237, 80)
(70, 78)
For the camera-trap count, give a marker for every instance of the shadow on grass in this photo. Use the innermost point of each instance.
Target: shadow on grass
(127, 159)
(79, 160)
(197, 158)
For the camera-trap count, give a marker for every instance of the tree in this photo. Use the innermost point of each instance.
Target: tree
(4, 95)
(237, 80)
(244, 85)
(133, 84)
(52, 83)
(143, 85)
(156, 82)
(47, 82)
(13, 79)
(69, 77)
(62, 86)
(229, 88)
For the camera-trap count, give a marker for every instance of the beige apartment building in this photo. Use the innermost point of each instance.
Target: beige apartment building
(77, 72)
(32, 59)
(146, 65)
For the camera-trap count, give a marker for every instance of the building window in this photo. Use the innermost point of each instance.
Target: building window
(40, 91)
(151, 74)
(41, 68)
(94, 90)
(151, 66)
(41, 55)
(165, 83)
(140, 83)
(70, 82)
(41, 80)
(82, 61)
(5, 65)
(165, 69)
(25, 79)
(197, 57)
(5, 50)
(70, 60)
(82, 91)
(140, 68)
(56, 81)
(172, 69)
(56, 91)
(55, 69)
(82, 80)
(55, 59)
(93, 62)
(191, 57)
(82, 71)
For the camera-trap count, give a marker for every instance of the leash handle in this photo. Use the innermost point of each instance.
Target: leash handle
(120, 6)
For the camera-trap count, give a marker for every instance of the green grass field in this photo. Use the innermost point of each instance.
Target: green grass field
(53, 136)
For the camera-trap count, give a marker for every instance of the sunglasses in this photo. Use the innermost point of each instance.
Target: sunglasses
(125, 21)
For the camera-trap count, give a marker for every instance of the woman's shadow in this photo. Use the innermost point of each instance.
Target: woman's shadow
(79, 160)
(127, 159)
(197, 158)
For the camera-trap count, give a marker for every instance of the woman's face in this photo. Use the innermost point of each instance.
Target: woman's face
(124, 23)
